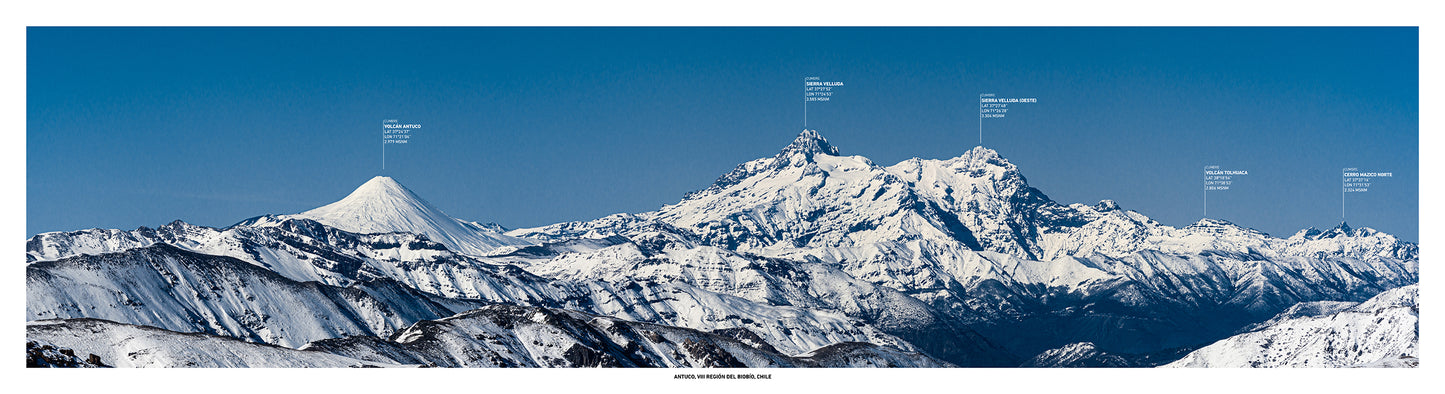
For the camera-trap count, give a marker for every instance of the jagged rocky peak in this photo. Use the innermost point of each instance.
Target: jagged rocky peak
(985, 156)
(1309, 233)
(978, 162)
(1208, 223)
(1342, 230)
(1106, 206)
(985, 163)
(1223, 228)
(798, 153)
(809, 143)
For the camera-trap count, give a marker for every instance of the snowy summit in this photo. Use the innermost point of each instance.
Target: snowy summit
(383, 205)
(805, 257)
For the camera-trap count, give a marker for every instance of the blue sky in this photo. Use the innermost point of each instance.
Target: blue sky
(133, 127)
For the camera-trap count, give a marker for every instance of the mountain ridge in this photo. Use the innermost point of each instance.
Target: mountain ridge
(959, 258)
(897, 227)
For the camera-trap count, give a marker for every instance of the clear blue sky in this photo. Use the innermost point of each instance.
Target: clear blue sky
(133, 127)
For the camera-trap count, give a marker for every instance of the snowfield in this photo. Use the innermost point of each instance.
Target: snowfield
(1380, 332)
(128, 346)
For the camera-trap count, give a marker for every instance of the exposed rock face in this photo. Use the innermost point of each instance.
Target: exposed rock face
(1383, 331)
(806, 250)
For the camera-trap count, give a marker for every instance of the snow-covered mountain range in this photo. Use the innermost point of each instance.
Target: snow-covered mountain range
(491, 336)
(970, 238)
(1383, 331)
(922, 263)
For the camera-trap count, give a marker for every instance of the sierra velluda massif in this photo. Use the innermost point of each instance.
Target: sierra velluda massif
(807, 258)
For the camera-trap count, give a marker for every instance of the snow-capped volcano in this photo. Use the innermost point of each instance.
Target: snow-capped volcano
(383, 205)
(806, 250)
